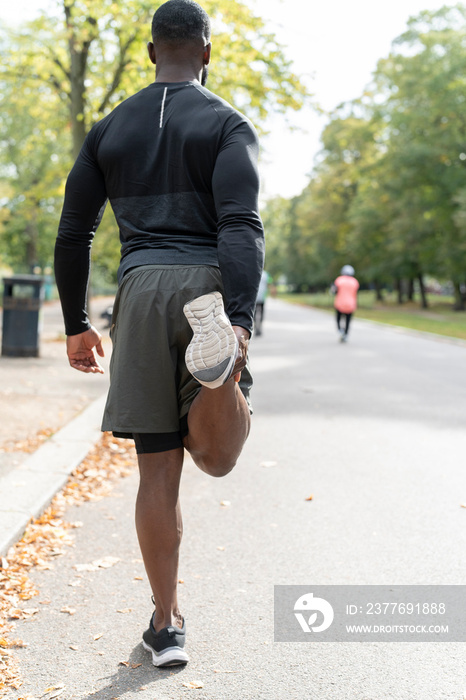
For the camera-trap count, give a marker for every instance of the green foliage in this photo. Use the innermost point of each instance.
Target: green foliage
(62, 72)
(388, 195)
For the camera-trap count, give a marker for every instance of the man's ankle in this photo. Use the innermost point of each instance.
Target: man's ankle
(174, 620)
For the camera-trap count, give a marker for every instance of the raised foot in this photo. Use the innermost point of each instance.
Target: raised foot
(212, 352)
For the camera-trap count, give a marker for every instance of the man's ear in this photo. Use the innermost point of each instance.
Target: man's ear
(207, 53)
(151, 52)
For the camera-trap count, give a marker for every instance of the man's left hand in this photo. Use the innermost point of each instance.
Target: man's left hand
(80, 350)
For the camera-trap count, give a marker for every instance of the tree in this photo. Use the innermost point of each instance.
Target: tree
(423, 82)
(388, 192)
(31, 172)
(91, 55)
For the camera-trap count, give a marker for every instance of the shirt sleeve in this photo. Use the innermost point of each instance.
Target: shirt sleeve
(240, 234)
(83, 208)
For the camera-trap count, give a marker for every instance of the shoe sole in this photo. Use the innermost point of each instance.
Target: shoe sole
(211, 354)
(172, 656)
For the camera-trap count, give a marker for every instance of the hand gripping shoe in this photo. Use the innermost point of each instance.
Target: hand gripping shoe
(212, 352)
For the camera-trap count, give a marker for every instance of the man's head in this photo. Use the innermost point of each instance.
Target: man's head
(180, 22)
(182, 26)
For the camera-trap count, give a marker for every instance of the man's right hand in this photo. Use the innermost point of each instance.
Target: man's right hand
(80, 350)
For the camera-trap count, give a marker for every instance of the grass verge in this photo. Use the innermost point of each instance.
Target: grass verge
(439, 318)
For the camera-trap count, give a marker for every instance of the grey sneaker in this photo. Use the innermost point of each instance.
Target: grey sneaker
(166, 646)
(211, 354)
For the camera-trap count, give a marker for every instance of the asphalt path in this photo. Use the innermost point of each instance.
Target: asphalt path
(40, 393)
(374, 431)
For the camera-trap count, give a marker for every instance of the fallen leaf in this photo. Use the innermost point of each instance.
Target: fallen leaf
(56, 694)
(106, 562)
(3, 563)
(98, 636)
(85, 567)
(78, 523)
(222, 549)
(225, 503)
(310, 498)
(193, 685)
(66, 609)
(138, 578)
(59, 686)
(74, 648)
(125, 610)
(463, 505)
(123, 663)
(135, 665)
(181, 580)
(219, 670)
(268, 464)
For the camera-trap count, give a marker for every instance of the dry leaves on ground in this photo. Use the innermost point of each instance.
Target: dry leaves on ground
(67, 609)
(31, 444)
(104, 563)
(128, 664)
(46, 537)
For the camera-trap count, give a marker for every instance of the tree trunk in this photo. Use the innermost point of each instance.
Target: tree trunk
(77, 102)
(378, 291)
(411, 289)
(79, 53)
(459, 299)
(422, 289)
(399, 289)
(32, 237)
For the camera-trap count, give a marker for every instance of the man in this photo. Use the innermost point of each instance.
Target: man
(179, 166)
(346, 289)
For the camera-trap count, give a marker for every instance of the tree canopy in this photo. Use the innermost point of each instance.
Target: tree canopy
(388, 194)
(64, 71)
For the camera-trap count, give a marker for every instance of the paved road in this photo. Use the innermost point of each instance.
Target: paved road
(374, 430)
(41, 393)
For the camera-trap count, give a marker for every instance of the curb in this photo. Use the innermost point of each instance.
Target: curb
(27, 490)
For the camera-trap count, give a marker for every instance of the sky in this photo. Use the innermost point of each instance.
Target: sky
(334, 46)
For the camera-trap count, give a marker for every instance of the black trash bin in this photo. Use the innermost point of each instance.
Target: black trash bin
(22, 299)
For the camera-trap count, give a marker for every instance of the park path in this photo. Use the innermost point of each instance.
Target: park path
(39, 395)
(374, 430)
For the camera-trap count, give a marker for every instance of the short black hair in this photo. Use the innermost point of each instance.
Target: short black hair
(178, 21)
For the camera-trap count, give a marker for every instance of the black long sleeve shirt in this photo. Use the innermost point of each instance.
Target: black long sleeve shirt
(179, 167)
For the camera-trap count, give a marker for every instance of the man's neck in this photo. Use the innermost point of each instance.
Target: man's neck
(176, 74)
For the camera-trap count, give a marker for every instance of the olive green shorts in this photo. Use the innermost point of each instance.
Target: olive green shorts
(150, 386)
